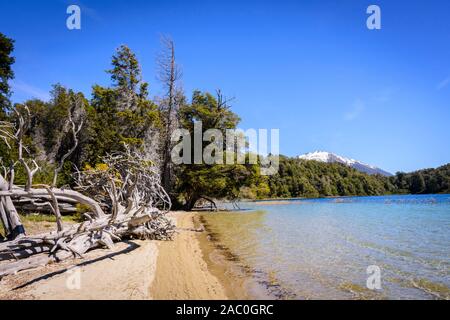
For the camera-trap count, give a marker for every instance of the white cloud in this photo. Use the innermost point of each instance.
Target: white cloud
(31, 91)
(357, 108)
(443, 83)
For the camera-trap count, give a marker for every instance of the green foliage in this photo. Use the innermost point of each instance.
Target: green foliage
(214, 113)
(48, 218)
(424, 181)
(259, 190)
(6, 72)
(116, 115)
(56, 114)
(103, 125)
(311, 179)
(122, 113)
(126, 73)
(195, 181)
(43, 176)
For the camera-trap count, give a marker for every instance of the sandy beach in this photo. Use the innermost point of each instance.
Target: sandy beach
(185, 268)
(181, 272)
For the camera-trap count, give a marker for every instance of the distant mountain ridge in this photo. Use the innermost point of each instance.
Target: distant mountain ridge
(324, 156)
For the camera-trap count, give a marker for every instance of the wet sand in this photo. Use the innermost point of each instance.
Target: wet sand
(190, 268)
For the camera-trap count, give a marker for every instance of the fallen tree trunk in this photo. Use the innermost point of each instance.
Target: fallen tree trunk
(77, 239)
(41, 204)
(59, 193)
(10, 217)
(132, 213)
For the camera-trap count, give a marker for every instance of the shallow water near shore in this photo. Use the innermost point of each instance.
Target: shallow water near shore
(321, 248)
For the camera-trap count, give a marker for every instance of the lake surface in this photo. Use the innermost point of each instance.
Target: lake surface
(321, 248)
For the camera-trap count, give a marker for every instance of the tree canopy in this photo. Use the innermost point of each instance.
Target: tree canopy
(6, 72)
(197, 181)
(303, 178)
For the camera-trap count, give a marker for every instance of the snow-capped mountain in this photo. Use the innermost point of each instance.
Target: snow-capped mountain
(329, 157)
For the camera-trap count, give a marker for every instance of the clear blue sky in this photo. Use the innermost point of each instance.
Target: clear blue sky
(310, 68)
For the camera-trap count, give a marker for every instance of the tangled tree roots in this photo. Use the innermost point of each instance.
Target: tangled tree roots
(122, 197)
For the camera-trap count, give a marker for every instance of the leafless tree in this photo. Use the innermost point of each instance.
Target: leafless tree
(75, 130)
(169, 73)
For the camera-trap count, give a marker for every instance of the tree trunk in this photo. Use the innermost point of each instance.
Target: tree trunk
(190, 203)
(80, 198)
(211, 201)
(169, 75)
(4, 219)
(12, 224)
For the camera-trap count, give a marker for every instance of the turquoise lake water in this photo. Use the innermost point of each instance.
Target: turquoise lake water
(321, 248)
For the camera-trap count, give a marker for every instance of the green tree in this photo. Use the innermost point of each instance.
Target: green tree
(417, 183)
(6, 73)
(207, 181)
(122, 114)
(47, 135)
(300, 178)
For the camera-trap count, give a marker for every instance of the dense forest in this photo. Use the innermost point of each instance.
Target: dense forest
(424, 181)
(303, 178)
(122, 115)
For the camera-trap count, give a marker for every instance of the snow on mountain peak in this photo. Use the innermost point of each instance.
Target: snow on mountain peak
(324, 156)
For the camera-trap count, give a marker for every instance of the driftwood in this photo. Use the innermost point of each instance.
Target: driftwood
(41, 205)
(75, 240)
(122, 198)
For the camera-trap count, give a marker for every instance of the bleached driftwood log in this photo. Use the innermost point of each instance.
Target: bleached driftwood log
(27, 252)
(41, 205)
(135, 208)
(122, 198)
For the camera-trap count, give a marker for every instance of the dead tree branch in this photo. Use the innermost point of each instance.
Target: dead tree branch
(126, 185)
(75, 129)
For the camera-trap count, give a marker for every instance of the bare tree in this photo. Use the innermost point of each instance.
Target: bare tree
(74, 130)
(169, 73)
(19, 136)
(8, 213)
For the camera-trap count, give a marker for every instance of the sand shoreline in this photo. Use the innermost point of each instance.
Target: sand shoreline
(191, 268)
(185, 268)
(181, 271)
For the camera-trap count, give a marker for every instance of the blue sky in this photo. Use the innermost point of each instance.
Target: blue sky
(310, 68)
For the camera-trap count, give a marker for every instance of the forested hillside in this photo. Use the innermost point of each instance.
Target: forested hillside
(424, 181)
(303, 178)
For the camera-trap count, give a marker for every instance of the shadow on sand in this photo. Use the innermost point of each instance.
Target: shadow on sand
(131, 246)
